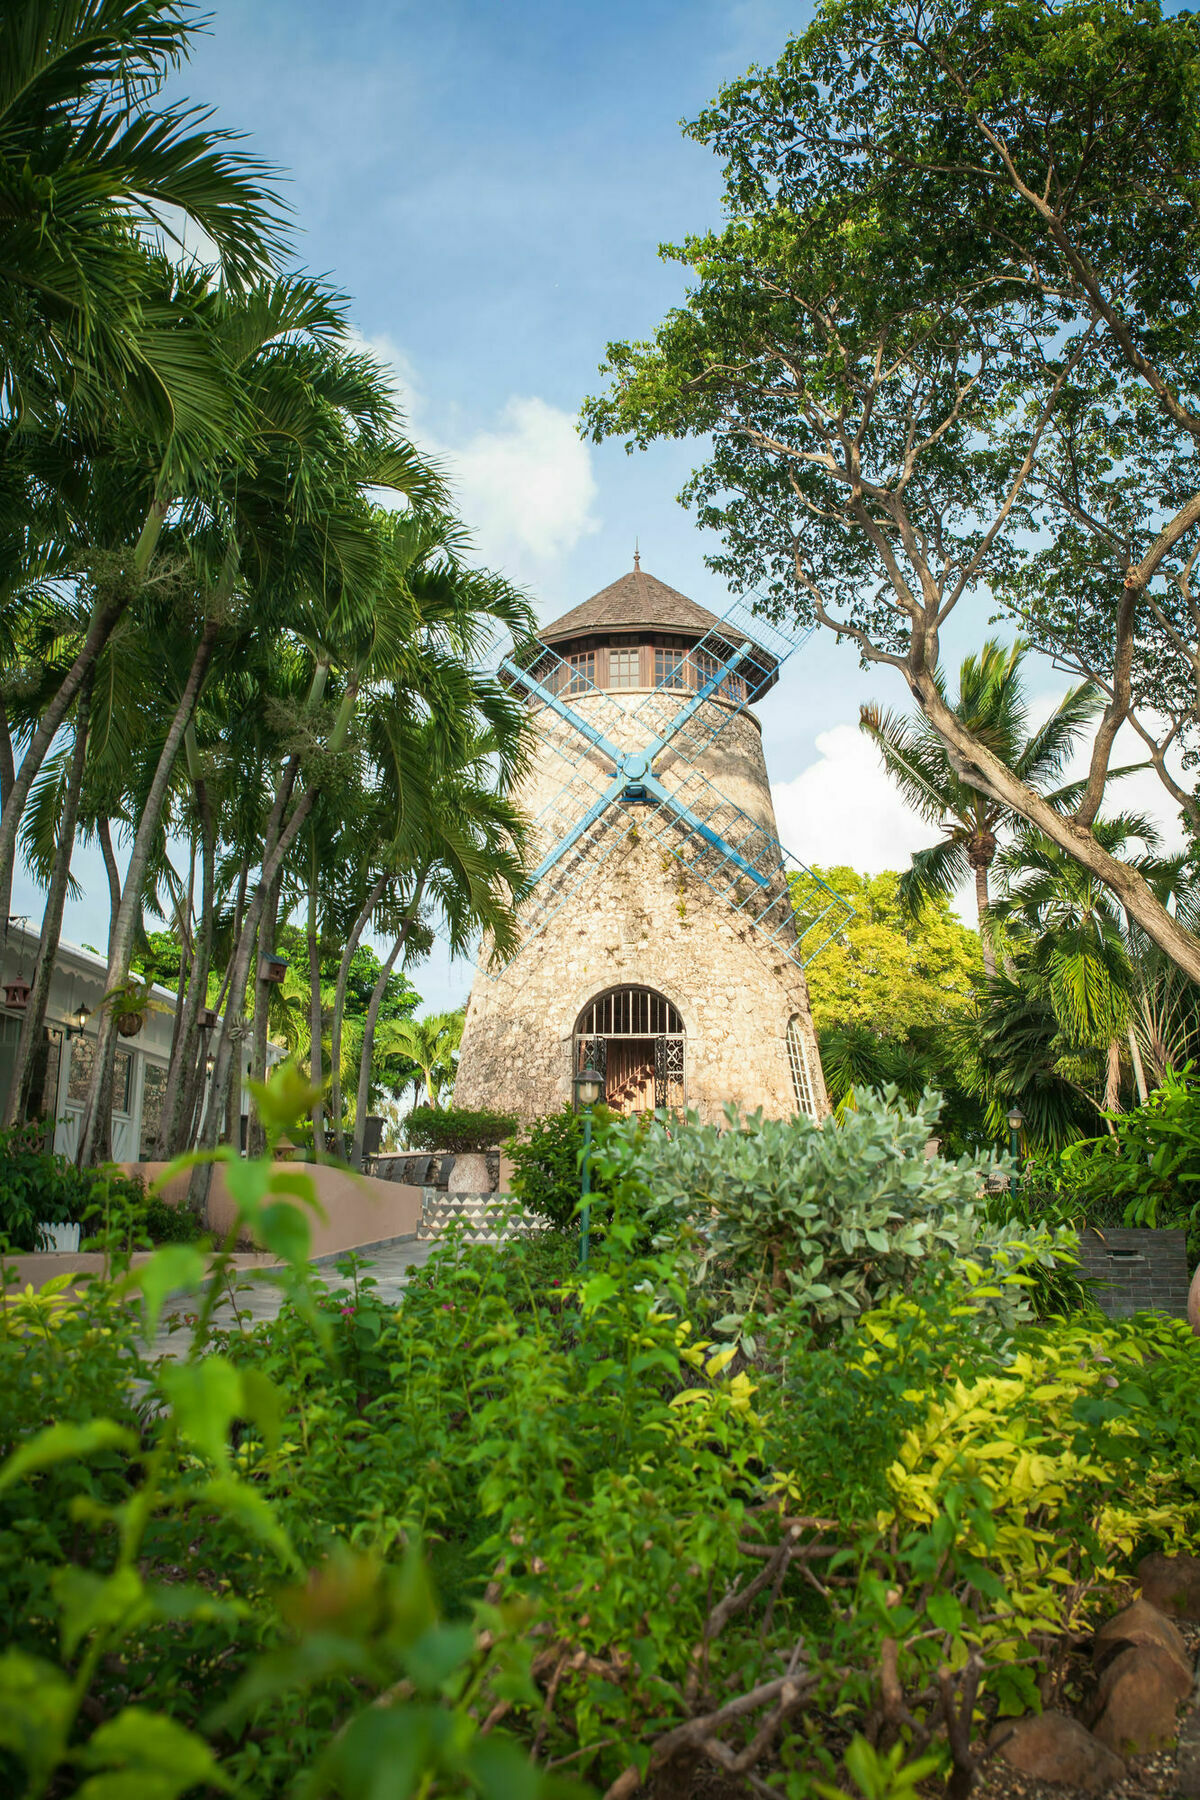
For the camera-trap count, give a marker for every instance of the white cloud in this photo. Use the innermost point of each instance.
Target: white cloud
(526, 489)
(844, 808)
(523, 485)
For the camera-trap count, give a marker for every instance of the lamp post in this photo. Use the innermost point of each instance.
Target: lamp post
(589, 1085)
(1016, 1118)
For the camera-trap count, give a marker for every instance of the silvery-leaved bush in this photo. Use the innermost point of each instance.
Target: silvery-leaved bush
(829, 1219)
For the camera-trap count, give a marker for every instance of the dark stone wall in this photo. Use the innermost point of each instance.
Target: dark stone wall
(1141, 1271)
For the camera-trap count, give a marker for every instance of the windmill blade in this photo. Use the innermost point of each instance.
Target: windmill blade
(574, 747)
(735, 662)
(782, 901)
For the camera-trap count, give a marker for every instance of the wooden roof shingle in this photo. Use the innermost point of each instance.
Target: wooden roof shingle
(638, 602)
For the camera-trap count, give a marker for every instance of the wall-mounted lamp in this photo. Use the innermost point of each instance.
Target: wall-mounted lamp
(82, 1016)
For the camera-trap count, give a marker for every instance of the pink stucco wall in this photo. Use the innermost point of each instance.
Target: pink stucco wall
(359, 1209)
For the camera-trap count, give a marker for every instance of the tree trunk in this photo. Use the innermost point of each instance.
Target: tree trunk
(1139, 1074)
(982, 908)
(105, 615)
(104, 835)
(1179, 945)
(7, 765)
(1112, 1078)
(120, 949)
(256, 1138)
(239, 975)
(181, 1074)
(52, 916)
(339, 1012)
(362, 1100)
(239, 908)
(315, 1021)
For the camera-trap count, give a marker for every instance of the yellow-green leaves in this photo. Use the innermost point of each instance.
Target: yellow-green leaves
(207, 1395)
(63, 1443)
(142, 1755)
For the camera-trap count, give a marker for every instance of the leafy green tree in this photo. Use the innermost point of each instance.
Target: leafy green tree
(888, 968)
(992, 706)
(884, 993)
(1072, 938)
(919, 275)
(430, 1044)
(90, 158)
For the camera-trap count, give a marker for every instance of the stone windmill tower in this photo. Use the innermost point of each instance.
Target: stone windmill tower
(665, 930)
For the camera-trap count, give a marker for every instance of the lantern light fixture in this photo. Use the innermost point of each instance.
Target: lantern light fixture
(589, 1085)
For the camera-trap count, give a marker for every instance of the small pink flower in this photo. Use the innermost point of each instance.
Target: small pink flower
(347, 1312)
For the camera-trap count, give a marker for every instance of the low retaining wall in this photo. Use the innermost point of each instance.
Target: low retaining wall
(1140, 1271)
(360, 1210)
(36, 1267)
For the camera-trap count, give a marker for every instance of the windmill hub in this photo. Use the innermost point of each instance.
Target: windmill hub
(635, 766)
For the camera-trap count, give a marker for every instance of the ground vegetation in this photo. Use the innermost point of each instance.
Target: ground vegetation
(359, 1537)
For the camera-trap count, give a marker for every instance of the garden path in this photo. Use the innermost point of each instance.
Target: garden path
(258, 1298)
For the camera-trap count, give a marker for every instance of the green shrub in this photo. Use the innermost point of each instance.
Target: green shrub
(456, 1130)
(247, 1540)
(37, 1188)
(830, 1220)
(1146, 1171)
(546, 1171)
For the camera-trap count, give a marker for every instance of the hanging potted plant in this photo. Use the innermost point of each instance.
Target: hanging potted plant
(132, 1005)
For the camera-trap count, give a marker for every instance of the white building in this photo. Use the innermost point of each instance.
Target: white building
(141, 1065)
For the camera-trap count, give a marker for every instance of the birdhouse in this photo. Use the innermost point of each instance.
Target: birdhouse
(208, 1019)
(272, 968)
(16, 994)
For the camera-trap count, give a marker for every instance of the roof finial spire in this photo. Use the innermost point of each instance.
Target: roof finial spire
(637, 559)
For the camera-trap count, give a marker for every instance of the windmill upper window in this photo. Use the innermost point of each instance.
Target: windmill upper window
(581, 672)
(668, 669)
(623, 668)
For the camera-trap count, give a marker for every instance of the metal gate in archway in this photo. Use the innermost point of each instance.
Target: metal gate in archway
(634, 1037)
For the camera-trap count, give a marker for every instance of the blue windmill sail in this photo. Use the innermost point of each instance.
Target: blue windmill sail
(626, 769)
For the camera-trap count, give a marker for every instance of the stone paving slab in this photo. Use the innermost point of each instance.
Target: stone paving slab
(258, 1297)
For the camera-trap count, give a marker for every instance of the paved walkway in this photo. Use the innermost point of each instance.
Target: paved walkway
(257, 1296)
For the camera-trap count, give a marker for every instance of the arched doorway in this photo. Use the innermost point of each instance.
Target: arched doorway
(635, 1038)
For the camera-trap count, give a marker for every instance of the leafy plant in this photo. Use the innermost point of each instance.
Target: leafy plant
(134, 1663)
(38, 1188)
(546, 1166)
(457, 1130)
(828, 1220)
(1147, 1170)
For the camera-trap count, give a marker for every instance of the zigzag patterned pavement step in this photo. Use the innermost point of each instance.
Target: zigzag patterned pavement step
(481, 1218)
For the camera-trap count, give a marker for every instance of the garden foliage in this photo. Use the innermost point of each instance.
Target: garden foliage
(38, 1188)
(222, 1567)
(773, 1213)
(546, 1165)
(456, 1129)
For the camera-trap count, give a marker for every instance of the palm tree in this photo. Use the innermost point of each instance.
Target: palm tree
(1072, 937)
(79, 120)
(991, 704)
(263, 525)
(431, 1043)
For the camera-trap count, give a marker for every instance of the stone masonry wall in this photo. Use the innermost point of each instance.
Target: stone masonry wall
(639, 918)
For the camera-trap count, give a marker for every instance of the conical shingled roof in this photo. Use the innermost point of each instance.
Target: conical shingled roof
(636, 603)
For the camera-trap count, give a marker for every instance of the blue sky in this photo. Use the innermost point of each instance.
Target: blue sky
(489, 185)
